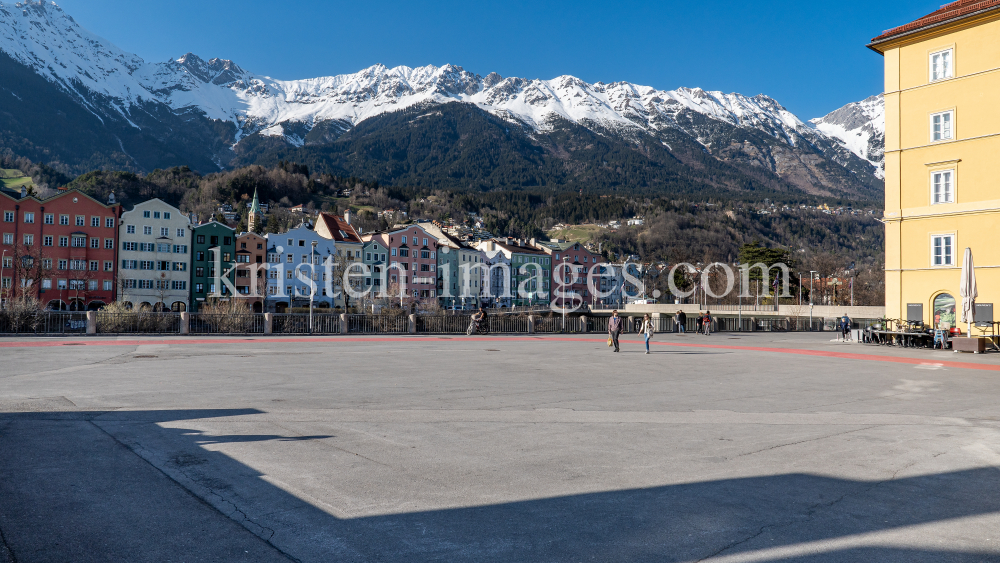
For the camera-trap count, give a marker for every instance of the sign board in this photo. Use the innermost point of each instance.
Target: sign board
(984, 313)
(915, 312)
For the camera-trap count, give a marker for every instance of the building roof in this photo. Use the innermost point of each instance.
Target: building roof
(946, 14)
(255, 206)
(516, 248)
(333, 227)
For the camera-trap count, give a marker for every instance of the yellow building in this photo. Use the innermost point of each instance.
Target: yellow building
(942, 157)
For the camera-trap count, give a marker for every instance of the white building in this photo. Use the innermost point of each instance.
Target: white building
(154, 257)
(459, 270)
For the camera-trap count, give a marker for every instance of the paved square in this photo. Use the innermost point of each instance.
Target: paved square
(750, 447)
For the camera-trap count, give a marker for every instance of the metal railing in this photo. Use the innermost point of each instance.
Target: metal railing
(138, 322)
(212, 323)
(378, 324)
(291, 323)
(554, 324)
(443, 324)
(43, 322)
(508, 323)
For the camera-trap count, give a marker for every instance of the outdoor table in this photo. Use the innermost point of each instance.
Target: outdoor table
(907, 339)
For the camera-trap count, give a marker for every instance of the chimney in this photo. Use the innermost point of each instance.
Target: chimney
(534, 242)
(24, 192)
(347, 215)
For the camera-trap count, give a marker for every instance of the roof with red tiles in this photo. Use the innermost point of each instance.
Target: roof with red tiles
(947, 13)
(333, 227)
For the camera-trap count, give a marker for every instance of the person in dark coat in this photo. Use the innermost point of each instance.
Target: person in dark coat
(682, 320)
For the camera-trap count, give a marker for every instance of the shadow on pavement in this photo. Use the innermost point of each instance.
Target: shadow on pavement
(83, 487)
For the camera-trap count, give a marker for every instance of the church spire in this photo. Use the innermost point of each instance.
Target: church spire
(254, 214)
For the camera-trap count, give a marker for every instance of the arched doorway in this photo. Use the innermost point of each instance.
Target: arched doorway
(159, 307)
(944, 311)
(127, 305)
(77, 305)
(178, 307)
(145, 306)
(95, 305)
(258, 307)
(56, 305)
(280, 307)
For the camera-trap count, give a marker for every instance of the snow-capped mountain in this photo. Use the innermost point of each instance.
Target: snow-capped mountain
(860, 126)
(215, 110)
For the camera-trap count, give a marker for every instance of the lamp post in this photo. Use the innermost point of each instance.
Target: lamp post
(811, 278)
(312, 290)
(3, 290)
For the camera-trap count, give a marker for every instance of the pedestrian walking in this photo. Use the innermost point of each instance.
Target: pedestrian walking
(845, 327)
(615, 326)
(707, 323)
(682, 320)
(647, 329)
(700, 321)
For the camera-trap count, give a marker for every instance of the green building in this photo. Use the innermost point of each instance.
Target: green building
(207, 239)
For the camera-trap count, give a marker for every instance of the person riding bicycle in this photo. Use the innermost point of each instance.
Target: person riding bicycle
(478, 322)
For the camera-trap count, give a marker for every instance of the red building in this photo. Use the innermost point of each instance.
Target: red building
(62, 250)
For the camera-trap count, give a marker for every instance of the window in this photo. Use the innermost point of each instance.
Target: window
(302, 243)
(81, 221)
(29, 217)
(180, 266)
(147, 230)
(107, 285)
(393, 251)
(163, 265)
(64, 219)
(199, 272)
(199, 256)
(943, 250)
(181, 233)
(79, 242)
(226, 257)
(47, 263)
(8, 216)
(162, 247)
(941, 126)
(200, 239)
(77, 264)
(92, 285)
(63, 241)
(164, 232)
(943, 188)
(227, 240)
(95, 221)
(95, 243)
(166, 214)
(29, 240)
(305, 258)
(145, 214)
(95, 266)
(156, 215)
(108, 265)
(404, 251)
(425, 242)
(109, 243)
(288, 258)
(180, 249)
(130, 229)
(179, 285)
(49, 219)
(63, 264)
(942, 64)
(109, 222)
(214, 241)
(46, 284)
(199, 287)
(47, 240)
(129, 246)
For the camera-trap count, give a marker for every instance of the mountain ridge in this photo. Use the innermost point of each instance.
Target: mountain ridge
(232, 109)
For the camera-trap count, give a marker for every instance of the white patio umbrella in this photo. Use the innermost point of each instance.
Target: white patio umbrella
(968, 290)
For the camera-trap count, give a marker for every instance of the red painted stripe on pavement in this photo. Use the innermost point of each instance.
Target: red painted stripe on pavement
(314, 339)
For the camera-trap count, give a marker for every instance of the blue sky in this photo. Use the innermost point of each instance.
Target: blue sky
(807, 54)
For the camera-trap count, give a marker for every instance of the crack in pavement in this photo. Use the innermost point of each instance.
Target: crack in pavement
(804, 441)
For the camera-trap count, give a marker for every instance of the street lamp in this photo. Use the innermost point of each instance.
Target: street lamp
(312, 290)
(811, 278)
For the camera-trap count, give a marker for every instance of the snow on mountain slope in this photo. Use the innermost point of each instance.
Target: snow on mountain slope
(860, 127)
(116, 84)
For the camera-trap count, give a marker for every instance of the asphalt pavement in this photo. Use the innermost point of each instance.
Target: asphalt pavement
(751, 447)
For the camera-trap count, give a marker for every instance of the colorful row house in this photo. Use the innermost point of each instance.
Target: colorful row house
(62, 250)
(155, 257)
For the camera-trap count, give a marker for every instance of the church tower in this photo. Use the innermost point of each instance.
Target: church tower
(254, 216)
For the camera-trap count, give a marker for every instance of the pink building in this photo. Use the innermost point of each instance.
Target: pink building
(412, 261)
(570, 257)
